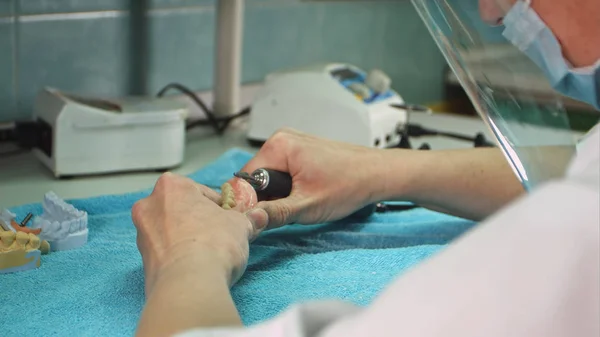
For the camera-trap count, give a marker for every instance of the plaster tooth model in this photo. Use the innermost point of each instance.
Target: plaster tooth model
(64, 226)
(19, 250)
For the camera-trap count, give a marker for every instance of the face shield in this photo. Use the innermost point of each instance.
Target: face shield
(508, 91)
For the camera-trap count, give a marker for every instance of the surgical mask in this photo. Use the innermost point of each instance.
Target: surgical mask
(526, 30)
(506, 88)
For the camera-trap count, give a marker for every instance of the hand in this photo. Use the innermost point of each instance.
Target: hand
(181, 221)
(330, 179)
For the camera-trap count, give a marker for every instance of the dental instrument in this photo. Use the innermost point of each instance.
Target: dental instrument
(336, 101)
(276, 184)
(268, 183)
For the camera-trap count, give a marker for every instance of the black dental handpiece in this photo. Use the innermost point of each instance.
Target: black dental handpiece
(269, 183)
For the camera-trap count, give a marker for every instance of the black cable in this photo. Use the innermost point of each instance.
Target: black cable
(416, 130)
(410, 107)
(196, 99)
(385, 207)
(225, 120)
(218, 124)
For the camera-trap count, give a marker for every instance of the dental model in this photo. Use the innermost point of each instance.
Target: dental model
(20, 250)
(64, 226)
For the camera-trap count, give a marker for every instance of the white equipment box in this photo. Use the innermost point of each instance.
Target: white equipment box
(335, 101)
(82, 136)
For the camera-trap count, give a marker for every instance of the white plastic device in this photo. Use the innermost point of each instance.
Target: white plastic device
(82, 136)
(336, 101)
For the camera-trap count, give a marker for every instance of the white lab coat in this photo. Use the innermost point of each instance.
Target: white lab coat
(547, 283)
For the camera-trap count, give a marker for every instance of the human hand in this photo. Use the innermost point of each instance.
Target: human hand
(330, 179)
(181, 222)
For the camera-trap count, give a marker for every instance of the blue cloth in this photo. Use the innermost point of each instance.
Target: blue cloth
(97, 290)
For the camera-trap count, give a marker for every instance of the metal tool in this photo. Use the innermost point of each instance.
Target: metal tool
(268, 183)
(26, 220)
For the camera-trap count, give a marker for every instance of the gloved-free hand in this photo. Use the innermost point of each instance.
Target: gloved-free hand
(182, 221)
(330, 179)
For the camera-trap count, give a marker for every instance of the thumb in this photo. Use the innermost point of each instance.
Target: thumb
(258, 219)
(280, 212)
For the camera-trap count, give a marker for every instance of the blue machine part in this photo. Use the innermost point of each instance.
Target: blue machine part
(347, 77)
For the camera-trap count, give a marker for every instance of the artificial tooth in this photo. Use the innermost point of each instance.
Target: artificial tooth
(34, 242)
(227, 196)
(7, 238)
(21, 240)
(44, 247)
(59, 221)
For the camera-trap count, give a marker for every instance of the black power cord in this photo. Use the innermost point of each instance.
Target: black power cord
(219, 124)
(416, 130)
(410, 107)
(383, 207)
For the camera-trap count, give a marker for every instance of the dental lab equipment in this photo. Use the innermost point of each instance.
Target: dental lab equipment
(268, 183)
(335, 101)
(82, 135)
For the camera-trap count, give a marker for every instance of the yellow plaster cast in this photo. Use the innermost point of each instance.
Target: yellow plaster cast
(17, 249)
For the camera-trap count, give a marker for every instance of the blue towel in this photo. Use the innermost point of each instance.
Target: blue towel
(97, 290)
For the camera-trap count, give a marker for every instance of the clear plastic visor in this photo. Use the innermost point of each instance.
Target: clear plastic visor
(508, 91)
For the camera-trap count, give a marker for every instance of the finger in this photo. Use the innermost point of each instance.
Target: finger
(205, 190)
(209, 193)
(137, 211)
(280, 212)
(164, 182)
(273, 154)
(259, 219)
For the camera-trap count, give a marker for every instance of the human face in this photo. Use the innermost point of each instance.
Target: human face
(576, 24)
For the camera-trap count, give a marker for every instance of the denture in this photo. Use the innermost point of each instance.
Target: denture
(62, 225)
(238, 194)
(227, 196)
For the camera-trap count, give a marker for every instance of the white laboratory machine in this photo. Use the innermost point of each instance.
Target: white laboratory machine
(335, 101)
(83, 136)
